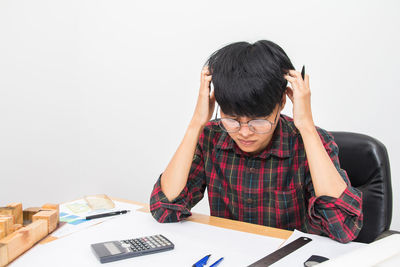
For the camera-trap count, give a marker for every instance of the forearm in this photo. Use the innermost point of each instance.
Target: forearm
(175, 176)
(325, 177)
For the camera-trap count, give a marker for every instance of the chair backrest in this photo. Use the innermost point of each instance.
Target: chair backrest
(366, 162)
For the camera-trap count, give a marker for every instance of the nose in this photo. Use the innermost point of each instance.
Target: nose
(245, 131)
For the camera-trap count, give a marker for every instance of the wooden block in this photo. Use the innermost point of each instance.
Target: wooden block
(23, 239)
(6, 225)
(15, 245)
(7, 211)
(3, 255)
(50, 206)
(29, 212)
(50, 216)
(7, 216)
(39, 228)
(17, 212)
(17, 227)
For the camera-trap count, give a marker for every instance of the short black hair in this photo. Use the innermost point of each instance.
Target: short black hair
(248, 78)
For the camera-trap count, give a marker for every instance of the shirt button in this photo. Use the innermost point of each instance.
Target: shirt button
(252, 170)
(249, 201)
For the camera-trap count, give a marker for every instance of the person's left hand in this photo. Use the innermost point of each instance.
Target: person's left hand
(300, 95)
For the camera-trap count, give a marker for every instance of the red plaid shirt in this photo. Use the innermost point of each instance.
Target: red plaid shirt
(273, 188)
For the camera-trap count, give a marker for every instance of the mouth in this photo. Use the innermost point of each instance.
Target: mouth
(246, 142)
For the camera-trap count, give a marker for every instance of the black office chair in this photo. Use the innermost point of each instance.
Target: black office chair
(367, 164)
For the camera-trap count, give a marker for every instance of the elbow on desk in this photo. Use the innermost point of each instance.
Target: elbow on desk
(158, 213)
(161, 214)
(343, 239)
(346, 232)
(168, 213)
(165, 211)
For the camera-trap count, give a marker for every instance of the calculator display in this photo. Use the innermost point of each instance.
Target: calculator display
(112, 248)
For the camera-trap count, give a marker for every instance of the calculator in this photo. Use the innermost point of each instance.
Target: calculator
(123, 249)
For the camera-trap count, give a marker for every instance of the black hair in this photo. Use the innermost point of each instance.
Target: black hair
(248, 78)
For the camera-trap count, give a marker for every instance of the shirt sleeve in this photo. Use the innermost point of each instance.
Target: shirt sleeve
(178, 209)
(339, 218)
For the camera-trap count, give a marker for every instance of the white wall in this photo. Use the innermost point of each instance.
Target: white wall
(95, 95)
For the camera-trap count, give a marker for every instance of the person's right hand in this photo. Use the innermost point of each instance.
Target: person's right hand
(206, 100)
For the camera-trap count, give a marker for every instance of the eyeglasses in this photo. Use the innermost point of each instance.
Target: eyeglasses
(258, 126)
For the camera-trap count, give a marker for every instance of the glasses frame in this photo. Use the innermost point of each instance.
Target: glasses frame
(219, 120)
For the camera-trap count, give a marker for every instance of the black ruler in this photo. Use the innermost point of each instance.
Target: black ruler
(282, 252)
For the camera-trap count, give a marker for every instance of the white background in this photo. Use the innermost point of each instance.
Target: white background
(95, 95)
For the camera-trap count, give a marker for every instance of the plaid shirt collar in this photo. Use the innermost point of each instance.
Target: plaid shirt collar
(278, 146)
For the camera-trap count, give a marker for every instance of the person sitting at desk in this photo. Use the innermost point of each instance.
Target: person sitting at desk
(258, 165)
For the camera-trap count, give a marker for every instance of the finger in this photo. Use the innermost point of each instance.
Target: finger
(307, 80)
(212, 97)
(205, 84)
(204, 72)
(295, 73)
(296, 80)
(207, 81)
(293, 81)
(289, 93)
(289, 78)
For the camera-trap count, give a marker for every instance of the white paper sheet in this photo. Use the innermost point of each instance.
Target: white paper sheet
(320, 245)
(192, 242)
(80, 210)
(384, 252)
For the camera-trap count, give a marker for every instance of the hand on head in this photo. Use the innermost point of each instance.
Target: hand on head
(206, 99)
(300, 95)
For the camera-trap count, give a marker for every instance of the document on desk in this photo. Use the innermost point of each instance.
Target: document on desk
(320, 245)
(73, 214)
(192, 242)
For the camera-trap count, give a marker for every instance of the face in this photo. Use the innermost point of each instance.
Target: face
(249, 141)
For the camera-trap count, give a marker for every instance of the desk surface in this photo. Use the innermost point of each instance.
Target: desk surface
(198, 236)
(78, 245)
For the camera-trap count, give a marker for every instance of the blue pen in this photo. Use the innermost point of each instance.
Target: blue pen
(217, 262)
(202, 262)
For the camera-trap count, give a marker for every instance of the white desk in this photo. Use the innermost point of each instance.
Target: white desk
(239, 243)
(193, 239)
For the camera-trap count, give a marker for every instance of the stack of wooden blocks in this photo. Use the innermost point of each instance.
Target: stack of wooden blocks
(21, 229)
